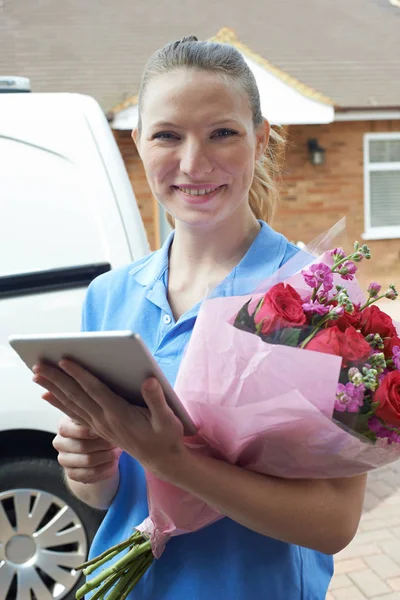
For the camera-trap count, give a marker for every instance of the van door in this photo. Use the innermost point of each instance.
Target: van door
(60, 226)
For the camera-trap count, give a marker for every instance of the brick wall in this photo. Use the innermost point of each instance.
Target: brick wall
(145, 200)
(313, 198)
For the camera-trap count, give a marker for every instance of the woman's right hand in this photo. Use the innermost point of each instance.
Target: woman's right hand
(85, 457)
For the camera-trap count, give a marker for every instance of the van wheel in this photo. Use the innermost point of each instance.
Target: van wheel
(44, 531)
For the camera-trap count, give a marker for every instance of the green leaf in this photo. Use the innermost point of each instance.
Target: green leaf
(289, 336)
(244, 320)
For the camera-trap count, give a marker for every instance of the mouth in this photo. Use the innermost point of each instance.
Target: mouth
(197, 193)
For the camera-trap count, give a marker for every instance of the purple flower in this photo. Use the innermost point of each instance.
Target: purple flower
(338, 254)
(347, 270)
(349, 397)
(396, 357)
(394, 437)
(382, 432)
(374, 289)
(319, 274)
(377, 427)
(315, 308)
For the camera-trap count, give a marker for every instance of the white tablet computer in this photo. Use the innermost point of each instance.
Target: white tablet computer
(118, 358)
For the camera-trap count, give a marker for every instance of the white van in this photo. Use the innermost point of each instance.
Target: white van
(68, 213)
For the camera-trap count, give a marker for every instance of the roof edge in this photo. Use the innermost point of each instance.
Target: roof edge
(226, 35)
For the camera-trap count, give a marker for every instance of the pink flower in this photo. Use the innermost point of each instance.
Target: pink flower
(348, 270)
(374, 289)
(339, 310)
(349, 397)
(317, 275)
(396, 357)
(392, 293)
(338, 254)
(315, 308)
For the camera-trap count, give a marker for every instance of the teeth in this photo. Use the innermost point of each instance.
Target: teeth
(197, 192)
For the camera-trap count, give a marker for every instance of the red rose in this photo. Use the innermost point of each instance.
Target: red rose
(388, 396)
(326, 341)
(390, 344)
(281, 307)
(350, 345)
(374, 320)
(354, 347)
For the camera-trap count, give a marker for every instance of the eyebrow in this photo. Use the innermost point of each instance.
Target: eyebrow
(176, 126)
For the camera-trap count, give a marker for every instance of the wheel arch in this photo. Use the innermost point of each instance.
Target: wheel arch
(26, 443)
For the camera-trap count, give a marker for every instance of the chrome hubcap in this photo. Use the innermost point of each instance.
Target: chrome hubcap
(41, 541)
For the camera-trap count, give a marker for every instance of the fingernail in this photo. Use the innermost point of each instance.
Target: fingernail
(36, 368)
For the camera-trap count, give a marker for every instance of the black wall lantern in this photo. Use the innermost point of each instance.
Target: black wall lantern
(315, 152)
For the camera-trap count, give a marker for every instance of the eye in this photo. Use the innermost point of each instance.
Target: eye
(223, 133)
(165, 135)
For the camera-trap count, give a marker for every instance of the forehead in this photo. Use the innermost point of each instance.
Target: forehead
(188, 93)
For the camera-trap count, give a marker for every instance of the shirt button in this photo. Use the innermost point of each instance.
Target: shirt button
(167, 319)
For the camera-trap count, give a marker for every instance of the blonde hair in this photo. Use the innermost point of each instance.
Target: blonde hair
(225, 60)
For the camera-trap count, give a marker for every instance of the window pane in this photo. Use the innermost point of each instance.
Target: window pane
(384, 151)
(385, 198)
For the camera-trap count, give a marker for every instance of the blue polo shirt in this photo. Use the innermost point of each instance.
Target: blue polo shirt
(224, 560)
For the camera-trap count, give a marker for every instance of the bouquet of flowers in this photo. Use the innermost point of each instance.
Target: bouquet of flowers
(299, 380)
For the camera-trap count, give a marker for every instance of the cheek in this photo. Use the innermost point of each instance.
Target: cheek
(240, 163)
(157, 165)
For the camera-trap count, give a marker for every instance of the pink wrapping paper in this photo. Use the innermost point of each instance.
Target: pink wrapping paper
(267, 408)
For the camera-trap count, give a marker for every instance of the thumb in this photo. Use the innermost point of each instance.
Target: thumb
(155, 399)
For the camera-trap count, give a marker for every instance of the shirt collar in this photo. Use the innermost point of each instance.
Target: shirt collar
(262, 259)
(149, 270)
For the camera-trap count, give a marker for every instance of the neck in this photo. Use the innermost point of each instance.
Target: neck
(210, 254)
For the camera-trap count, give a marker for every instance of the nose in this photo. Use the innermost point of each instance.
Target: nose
(195, 160)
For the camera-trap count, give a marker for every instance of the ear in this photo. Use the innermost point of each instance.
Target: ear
(135, 137)
(262, 134)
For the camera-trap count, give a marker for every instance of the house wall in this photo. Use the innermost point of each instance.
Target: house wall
(315, 197)
(147, 204)
(312, 198)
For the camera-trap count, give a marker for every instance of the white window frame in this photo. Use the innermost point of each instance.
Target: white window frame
(377, 233)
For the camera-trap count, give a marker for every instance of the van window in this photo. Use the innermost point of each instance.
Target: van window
(48, 213)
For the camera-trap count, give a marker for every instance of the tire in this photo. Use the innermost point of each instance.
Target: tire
(44, 531)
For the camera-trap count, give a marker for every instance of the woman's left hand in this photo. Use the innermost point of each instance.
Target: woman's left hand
(153, 435)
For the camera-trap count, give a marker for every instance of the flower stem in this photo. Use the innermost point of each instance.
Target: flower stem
(136, 537)
(89, 570)
(107, 585)
(372, 300)
(138, 575)
(118, 566)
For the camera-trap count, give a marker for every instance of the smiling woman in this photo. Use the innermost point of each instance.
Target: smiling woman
(208, 158)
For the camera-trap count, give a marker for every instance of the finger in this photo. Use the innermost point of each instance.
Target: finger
(71, 409)
(69, 428)
(51, 399)
(100, 394)
(93, 475)
(81, 446)
(70, 388)
(88, 461)
(155, 399)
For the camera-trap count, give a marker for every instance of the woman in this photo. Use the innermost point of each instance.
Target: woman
(204, 145)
